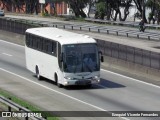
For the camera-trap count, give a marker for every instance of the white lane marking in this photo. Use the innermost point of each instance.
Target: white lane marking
(10, 43)
(53, 90)
(7, 54)
(133, 79)
(73, 98)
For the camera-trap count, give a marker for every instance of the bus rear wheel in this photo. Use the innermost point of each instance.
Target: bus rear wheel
(37, 73)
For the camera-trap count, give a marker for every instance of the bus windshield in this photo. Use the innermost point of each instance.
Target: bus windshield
(80, 58)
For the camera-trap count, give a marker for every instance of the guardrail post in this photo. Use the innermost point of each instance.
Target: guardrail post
(107, 31)
(117, 33)
(9, 108)
(127, 34)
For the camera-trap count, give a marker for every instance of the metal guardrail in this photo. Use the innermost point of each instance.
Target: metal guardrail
(11, 105)
(122, 23)
(22, 25)
(127, 53)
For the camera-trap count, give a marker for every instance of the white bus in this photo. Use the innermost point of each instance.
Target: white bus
(59, 55)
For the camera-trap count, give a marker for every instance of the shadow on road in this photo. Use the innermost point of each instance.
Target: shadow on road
(104, 84)
(110, 84)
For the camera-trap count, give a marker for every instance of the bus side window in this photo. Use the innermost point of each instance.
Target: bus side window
(31, 41)
(39, 43)
(54, 48)
(49, 47)
(35, 42)
(27, 40)
(59, 56)
(44, 45)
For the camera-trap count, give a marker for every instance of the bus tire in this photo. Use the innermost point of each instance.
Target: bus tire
(56, 81)
(37, 73)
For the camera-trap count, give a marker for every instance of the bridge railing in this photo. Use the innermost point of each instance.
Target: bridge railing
(127, 53)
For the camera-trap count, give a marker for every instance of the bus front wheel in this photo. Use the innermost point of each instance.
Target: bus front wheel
(56, 81)
(37, 73)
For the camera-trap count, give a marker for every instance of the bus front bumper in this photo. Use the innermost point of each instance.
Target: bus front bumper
(81, 82)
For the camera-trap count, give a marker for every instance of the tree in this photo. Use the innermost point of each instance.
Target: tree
(113, 8)
(4, 3)
(125, 4)
(152, 5)
(77, 6)
(100, 10)
(32, 6)
(90, 4)
(141, 6)
(158, 10)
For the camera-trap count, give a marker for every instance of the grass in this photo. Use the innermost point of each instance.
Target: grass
(24, 104)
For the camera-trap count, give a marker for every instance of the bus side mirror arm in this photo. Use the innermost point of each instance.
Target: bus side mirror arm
(101, 56)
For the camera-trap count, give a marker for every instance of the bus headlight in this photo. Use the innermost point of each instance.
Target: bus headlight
(97, 78)
(69, 78)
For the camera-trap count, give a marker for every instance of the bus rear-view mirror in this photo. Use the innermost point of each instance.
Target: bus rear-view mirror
(102, 59)
(101, 56)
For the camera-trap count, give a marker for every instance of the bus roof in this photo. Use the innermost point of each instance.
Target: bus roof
(62, 36)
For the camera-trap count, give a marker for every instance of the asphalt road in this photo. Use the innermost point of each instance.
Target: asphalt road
(114, 93)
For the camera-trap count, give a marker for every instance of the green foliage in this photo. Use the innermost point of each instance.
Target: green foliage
(19, 101)
(100, 12)
(45, 14)
(25, 104)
